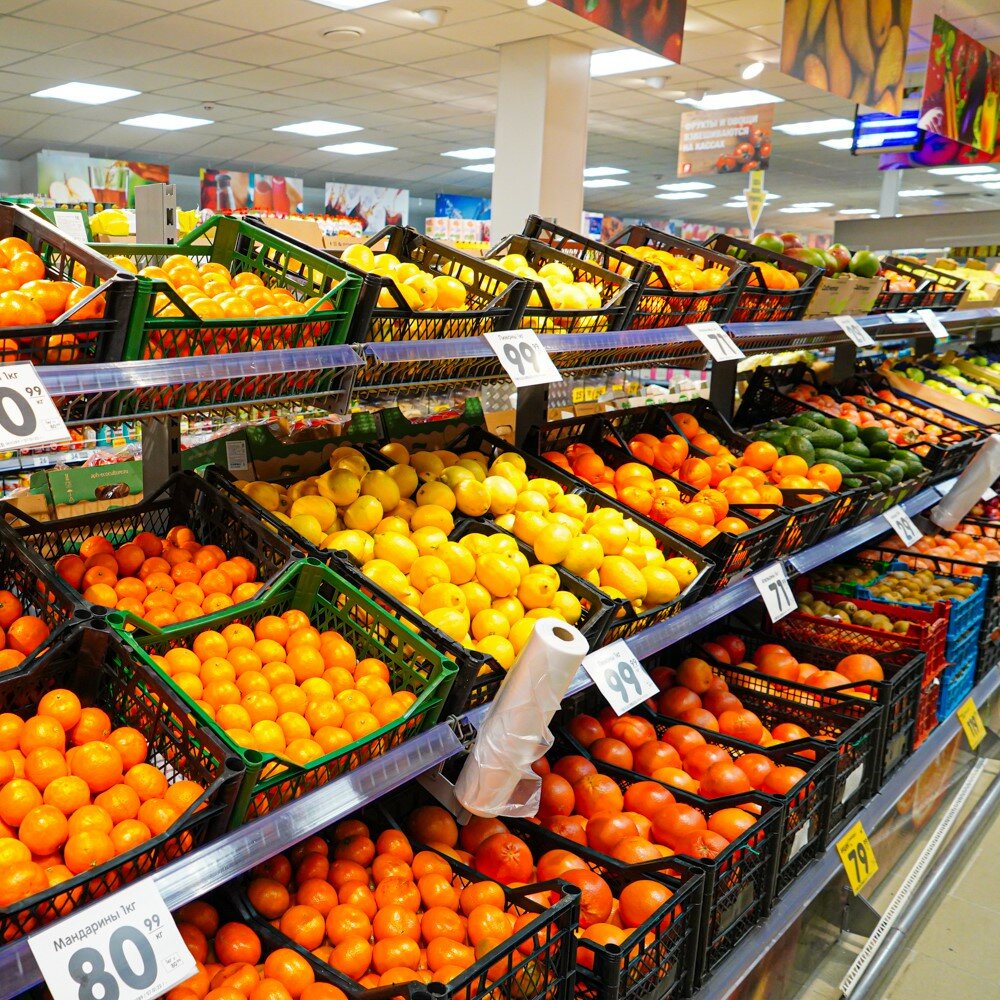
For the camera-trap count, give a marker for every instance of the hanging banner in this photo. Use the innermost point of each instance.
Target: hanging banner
(71, 178)
(725, 142)
(937, 151)
(961, 88)
(375, 207)
(234, 191)
(855, 49)
(657, 25)
(462, 206)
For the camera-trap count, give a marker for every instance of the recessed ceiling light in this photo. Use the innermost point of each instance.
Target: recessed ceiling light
(476, 153)
(165, 122)
(752, 70)
(358, 148)
(731, 99)
(991, 186)
(86, 93)
(686, 186)
(859, 211)
(481, 168)
(813, 204)
(844, 143)
(317, 127)
(816, 127)
(603, 172)
(536, 3)
(973, 178)
(920, 193)
(347, 4)
(741, 201)
(605, 182)
(798, 210)
(972, 168)
(624, 61)
(680, 195)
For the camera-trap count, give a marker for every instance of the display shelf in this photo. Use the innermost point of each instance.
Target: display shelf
(220, 861)
(30, 463)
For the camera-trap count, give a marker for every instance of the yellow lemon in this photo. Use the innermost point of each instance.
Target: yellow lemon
(532, 500)
(548, 488)
(428, 466)
(265, 494)
(584, 556)
(307, 488)
(570, 522)
(528, 525)
(503, 495)
(501, 649)
(363, 514)
(429, 540)
(442, 595)
(454, 624)
(511, 473)
(477, 597)
(436, 494)
(536, 591)
(397, 549)
(392, 523)
(395, 452)
(635, 555)
(460, 562)
(472, 498)
(384, 574)
(478, 469)
(340, 486)
(552, 544)
(405, 478)
(510, 607)
(501, 543)
(520, 633)
(360, 256)
(447, 458)
(455, 474)
(506, 521)
(308, 527)
(474, 542)
(512, 458)
(661, 585)
(617, 572)
(612, 537)
(683, 569)
(404, 509)
(432, 515)
(572, 504)
(498, 574)
(320, 508)
(568, 606)
(426, 571)
(490, 622)
(358, 543)
(545, 613)
(475, 456)
(383, 487)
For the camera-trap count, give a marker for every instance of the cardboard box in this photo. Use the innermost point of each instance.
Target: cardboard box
(304, 230)
(74, 492)
(844, 295)
(982, 296)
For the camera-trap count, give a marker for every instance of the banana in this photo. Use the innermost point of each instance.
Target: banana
(854, 30)
(890, 61)
(838, 62)
(817, 11)
(814, 72)
(795, 22)
(879, 20)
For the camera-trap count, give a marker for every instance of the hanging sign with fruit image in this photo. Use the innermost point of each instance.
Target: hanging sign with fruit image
(657, 25)
(725, 142)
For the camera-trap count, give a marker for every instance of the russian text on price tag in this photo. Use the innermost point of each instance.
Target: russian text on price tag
(236, 456)
(972, 723)
(854, 331)
(523, 357)
(717, 342)
(857, 856)
(933, 324)
(72, 224)
(123, 947)
(622, 680)
(902, 524)
(28, 417)
(776, 591)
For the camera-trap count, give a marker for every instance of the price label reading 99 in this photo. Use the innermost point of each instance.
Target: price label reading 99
(523, 357)
(620, 676)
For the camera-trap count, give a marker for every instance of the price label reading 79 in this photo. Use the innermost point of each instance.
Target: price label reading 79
(523, 357)
(857, 856)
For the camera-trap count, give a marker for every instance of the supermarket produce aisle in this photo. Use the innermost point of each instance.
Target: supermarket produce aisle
(952, 952)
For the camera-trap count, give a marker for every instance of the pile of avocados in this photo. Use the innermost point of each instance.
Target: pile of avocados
(835, 441)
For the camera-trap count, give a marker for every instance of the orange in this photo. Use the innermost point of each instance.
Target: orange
(714, 499)
(789, 465)
(84, 851)
(827, 475)
(17, 798)
(67, 794)
(41, 731)
(760, 455)
(147, 781)
(159, 815)
(43, 765)
(99, 764)
(121, 802)
(43, 830)
(702, 513)
(129, 834)
(130, 743)
(62, 705)
(89, 818)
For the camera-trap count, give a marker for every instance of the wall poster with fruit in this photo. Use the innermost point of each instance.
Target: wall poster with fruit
(714, 142)
(657, 25)
(77, 177)
(852, 48)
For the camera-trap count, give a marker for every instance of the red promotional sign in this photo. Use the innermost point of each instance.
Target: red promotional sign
(725, 142)
(657, 25)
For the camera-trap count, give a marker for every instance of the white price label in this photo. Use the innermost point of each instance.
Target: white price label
(28, 417)
(900, 318)
(123, 947)
(523, 357)
(717, 342)
(995, 311)
(236, 456)
(855, 332)
(931, 321)
(902, 524)
(620, 676)
(776, 591)
(72, 224)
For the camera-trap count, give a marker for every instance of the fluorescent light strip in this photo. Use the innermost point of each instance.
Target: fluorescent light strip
(968, 171)
(165, 122)
(481, 168)
(920, 193)
(731, 99)
(680, 195)
(604, 182)
(86, 93)
(358, 148)
(793, 210)
(844, 143)
(317, 128)
(347, 4)
(859, 211)
(475, 153)
(603, 172)
(686, 186)
(816, 127)
(619, 61)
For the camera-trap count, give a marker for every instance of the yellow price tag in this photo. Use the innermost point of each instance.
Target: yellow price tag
(857, 856)
(577, 395)
(972, 723)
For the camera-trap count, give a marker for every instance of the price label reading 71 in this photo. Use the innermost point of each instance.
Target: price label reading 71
(523, 357)
(772, 583)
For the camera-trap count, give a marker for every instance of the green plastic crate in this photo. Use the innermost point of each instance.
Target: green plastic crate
(242, 248)
(331, 603)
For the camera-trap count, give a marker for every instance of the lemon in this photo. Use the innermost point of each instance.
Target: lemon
(528, 525)
(475, 456)
(460, 562)
(520, 633)
(397, 549)
(501, 543)
(406, 479)
(358, 543)
(498, 574)
(477, 597)
(454, 624)
(404, 509)
(339, 486)
(436, 494)
(426, 571)
(472, 497)
(552, 544)
(545, 613)
(512, 458)
(490, 622)
(410, 597)
(510, 607)
(603, 515)
(383, 574)
(501, 649)
(356, 465)
(308, 527)
(346, 452)
(556, 272)
(478, 469)
(661, 585)
(572, 504)
(536, 591)
(683, 569)
(395, 452)
(513, 262)
(532, 500)
(506, 521)
(511, 473)
(363, 514)
(568, 606)
(392, 523)
(635, 555)
(442, 595)
(645, 538)
(432, 515)
(360, 256)
(319, 508)
(474, 542)
(383, 487)
(548, 488)
(612, 537)
(520, 561)
(585, 555)
(623, 576)
(446, 458)
(572, 523)
(306, 488)
(455, 474)
(549, 572)
(265, 494)
(429, 540)
(428, 466)
(502, 493)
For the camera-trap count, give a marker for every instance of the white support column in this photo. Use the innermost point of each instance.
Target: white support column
(888, 202)
(541, 134)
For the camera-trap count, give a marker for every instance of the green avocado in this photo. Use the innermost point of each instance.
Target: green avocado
(869, 435)
(799, 444)
(825, 438)
(855, 448)
(847, 430)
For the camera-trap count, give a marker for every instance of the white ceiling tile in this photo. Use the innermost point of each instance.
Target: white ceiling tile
(16, 122)
(181, 32)
(263, 15)
(510, 27)
(212, 92)
(313, 31)
(261, 102)
(87, 13)
(8, 56)
(21, 33)
(114, 52)
(402, 50)
(339, 66)
(56, 131)
(272, 79)
(401, 78)
(470, 63)
(263, 50)
(195, 66)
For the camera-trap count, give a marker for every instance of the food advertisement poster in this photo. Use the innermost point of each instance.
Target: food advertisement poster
(961, 88)
(657, 25)
(462, 206)
(77, 177)
(226, 191)
(725, 142)
(852, 48)
(376, 207)
(937, 151)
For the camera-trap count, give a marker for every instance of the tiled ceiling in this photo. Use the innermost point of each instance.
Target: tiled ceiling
(251, 65)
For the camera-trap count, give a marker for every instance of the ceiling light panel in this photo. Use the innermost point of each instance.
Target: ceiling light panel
(920, 193)
(731, 99)
(166, 123)
(686, 186)
(476, 153)
(604, 182)
(972, 168)
(604, 172)
(86, 93)
(358, 148)
(317, 127)
(481, 168)
(680, 195)
(619, 61)
(816, 127)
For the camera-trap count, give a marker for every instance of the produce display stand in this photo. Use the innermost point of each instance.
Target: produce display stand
(158, 392)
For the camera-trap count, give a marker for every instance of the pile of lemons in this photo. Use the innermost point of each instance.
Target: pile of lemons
(421, 290)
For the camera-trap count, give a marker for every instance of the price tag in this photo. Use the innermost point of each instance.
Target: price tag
(717, 342)
(236, 456)
(622, 680)
(123, 947)
(902, 524)
(857, 856)
(900, 318)
(855, 332)
(72, 224)
(933, 324)
(972, 723)
(523, 357)
(774, 588)
(989, 494)
(28, 417)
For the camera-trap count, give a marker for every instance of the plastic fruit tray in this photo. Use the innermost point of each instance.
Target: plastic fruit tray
(926, 296)
(105, 673)
(69, 340)
(332, 603)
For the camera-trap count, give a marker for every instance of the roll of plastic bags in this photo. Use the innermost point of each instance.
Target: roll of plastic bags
(980, 474)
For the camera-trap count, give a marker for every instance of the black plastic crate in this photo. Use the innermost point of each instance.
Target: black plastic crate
(757, 303)
(989, 657)
(68, 339)
(619, 295)
(184, 499)
(104, 673)
(945, 296)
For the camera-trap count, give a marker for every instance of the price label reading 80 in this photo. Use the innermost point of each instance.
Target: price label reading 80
(620, 676)
(523, 357)
(135, 967)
